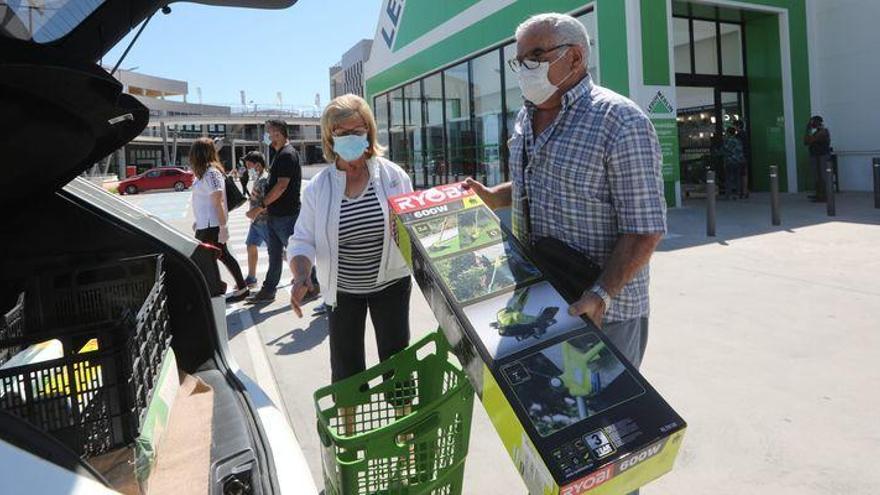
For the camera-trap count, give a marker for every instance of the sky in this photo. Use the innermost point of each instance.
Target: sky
(224, 50)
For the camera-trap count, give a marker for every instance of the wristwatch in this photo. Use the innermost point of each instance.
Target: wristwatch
(599, 291)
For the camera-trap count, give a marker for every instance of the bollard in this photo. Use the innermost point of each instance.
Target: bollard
(876, 182)
(774, 196)
(710, 203)
(829, 189)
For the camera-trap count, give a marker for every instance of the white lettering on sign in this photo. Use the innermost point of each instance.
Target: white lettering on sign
(431, 211)
(589, 482)
(640, 457)
(392, 14)
(430, 197)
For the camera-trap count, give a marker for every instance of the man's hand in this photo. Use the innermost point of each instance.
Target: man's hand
(254, 212)
(591, 305)
(494, 197)
(299, 290)
(223, 236)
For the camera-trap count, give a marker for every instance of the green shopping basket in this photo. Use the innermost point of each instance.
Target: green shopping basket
(401, 427)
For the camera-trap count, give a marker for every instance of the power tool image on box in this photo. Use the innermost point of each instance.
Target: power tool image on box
(512, 321)
(467, 229)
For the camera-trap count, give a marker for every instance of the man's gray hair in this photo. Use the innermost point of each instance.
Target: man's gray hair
(566, 30)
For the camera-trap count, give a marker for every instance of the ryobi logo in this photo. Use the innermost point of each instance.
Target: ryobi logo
(391, 20)
(428, 198)
(589, 482)
(640, 457)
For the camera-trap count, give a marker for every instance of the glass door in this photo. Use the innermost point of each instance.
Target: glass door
(704, 116)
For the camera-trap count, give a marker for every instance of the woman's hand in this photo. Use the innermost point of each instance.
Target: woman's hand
(298, 292)
(223, 236)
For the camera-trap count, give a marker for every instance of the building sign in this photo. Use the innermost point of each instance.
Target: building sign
(659, 103)
(390, 20)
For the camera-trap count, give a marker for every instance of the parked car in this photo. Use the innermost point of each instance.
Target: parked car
(65, 113)
(157, 178)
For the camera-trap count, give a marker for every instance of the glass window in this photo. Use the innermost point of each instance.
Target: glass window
(589, 21)
(380, 108)
(434, 149)
(705, 47)
(459, 135)
(44, 22)
(398, 139)
(681, 36)
(488, 115)
(412, 113)
(513, 95)
(731, 50)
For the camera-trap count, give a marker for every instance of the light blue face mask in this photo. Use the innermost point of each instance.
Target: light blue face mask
(350, 147)
(266, 139)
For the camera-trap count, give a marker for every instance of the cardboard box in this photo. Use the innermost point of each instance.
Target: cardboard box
(572, 413)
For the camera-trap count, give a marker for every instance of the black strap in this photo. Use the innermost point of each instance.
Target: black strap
(526, 209)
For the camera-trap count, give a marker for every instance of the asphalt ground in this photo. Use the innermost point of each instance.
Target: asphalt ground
(765, 339)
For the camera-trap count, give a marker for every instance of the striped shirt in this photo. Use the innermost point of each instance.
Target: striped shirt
(361, 238)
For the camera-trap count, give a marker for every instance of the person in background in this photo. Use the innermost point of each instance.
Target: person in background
(818, 138)
(743, 137)
(734, 161)
(243, 177)
(209, 208)
(282, 202)
(344, 229)
(258, 230)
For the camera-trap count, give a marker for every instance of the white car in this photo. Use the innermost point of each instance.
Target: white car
(61, 112)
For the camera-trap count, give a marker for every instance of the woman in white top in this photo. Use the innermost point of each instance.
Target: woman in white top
(344, 228)
(209, 208)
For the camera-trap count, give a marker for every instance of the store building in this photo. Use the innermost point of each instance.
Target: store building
(445, 99)
(347, 75)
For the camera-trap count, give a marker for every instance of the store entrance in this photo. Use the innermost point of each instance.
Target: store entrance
(705, 115)
(712, 93)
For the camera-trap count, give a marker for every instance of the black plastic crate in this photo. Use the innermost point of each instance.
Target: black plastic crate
(86, 294)
(12, 327)
(94, 396)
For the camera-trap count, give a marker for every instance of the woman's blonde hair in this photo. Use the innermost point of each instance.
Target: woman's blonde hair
(343, 108)
(203, 154)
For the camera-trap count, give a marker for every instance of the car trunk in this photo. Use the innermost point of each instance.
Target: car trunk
(59, 114)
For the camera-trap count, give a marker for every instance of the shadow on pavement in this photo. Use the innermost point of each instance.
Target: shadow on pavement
(299, 340)
(261, 313)
(739, 219)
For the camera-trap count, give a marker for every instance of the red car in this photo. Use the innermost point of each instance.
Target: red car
(157, 178)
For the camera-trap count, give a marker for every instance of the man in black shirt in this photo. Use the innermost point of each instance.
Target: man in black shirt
(282, 203)
(818, 139)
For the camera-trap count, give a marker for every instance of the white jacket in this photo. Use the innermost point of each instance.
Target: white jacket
(316, 235)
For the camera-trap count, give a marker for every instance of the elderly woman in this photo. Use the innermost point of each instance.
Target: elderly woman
(343, 226)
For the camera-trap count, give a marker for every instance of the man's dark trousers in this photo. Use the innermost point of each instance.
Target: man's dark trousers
(280, 229)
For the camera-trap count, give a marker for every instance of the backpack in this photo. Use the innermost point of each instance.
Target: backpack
(234, 197)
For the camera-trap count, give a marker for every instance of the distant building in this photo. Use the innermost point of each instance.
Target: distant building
(152, 91)
(240, 130)
(347, 76)
(336, 75)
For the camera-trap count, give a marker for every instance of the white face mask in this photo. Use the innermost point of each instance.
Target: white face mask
(535, 83)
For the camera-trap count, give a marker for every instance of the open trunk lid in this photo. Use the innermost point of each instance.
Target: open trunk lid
(60, 112)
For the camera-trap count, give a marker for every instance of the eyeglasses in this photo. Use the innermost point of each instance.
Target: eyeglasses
(517, 65)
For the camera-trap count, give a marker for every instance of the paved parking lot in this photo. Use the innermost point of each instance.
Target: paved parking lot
(764, 338)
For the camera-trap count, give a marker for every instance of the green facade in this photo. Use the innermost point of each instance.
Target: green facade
(773, 139)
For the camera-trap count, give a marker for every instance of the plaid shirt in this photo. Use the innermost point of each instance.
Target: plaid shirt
(592, 175)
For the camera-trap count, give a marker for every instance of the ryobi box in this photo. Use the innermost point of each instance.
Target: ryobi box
(574, 415)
